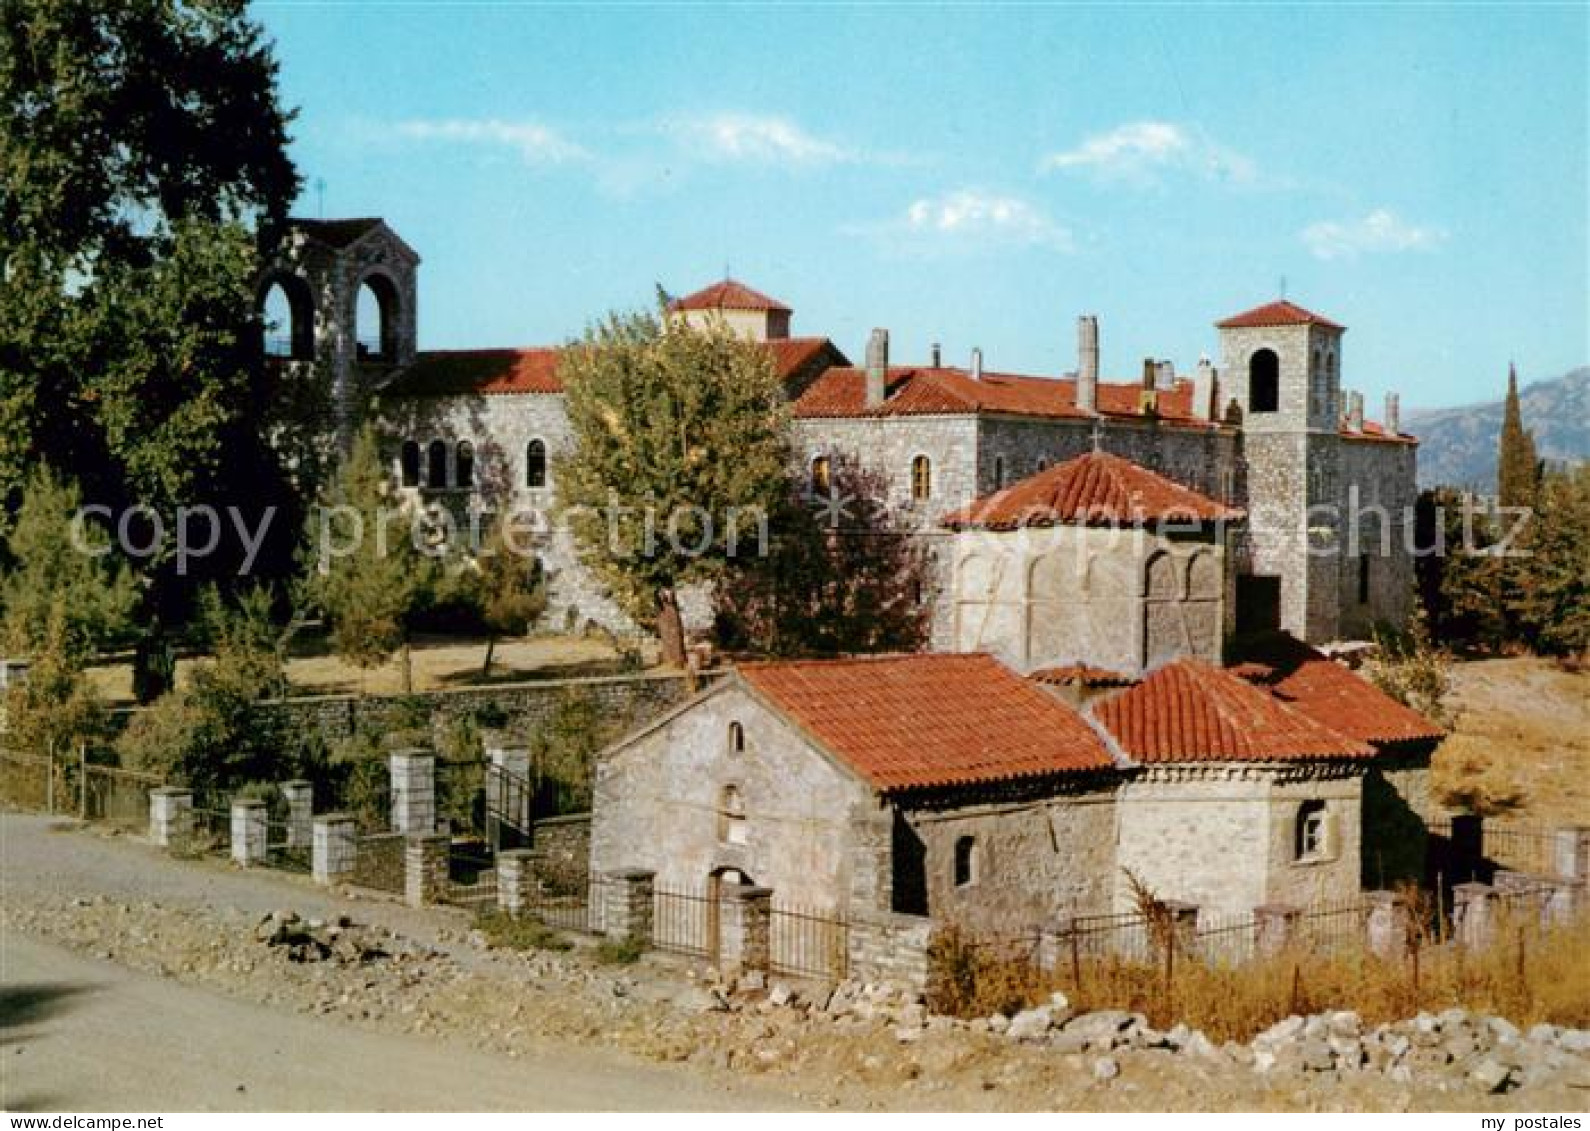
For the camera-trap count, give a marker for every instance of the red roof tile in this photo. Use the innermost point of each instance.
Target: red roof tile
(1083, 675)
(1191, 711)
(916, 722)
(922, 391)
(727, 295)
(1329, 693)
(1094, 489)
(1375, 431)
(1280, 313)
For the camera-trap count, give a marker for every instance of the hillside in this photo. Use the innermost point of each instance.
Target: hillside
(1458, 445)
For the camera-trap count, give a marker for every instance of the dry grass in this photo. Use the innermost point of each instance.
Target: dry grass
(1523, 728)
(437, 663)
(1530, 973)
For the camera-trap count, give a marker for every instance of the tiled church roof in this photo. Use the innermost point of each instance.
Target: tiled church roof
(917, 722)
(728, 295)
(1279, 313)
(1191, 711)
(1094, 489)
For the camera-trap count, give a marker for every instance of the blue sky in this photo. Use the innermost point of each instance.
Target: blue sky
(977, 176)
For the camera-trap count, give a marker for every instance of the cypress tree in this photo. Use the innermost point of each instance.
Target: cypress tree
(1517, 472)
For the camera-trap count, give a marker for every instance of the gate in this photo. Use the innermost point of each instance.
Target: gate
(807, 943)
(471, 876)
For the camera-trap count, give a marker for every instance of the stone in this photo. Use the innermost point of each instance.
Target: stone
(1491, 1075)
(1197, 1044)
(780, 994)
(1281, 1031)
(1100, 1023)
(1316, 1055)
(1345, 1023)
(1106, 1068)
(1030, 1024)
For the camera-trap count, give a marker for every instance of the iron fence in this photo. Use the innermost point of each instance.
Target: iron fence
(685, 921)
(807, 942)
(581, 909)
(1520, 847)
(1332, 926)
(116, 796)
(1227, 940)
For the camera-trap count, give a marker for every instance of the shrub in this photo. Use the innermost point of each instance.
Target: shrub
(525, 933)
(620, 952)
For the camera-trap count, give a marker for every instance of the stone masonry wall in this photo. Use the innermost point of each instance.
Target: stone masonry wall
(563, 848)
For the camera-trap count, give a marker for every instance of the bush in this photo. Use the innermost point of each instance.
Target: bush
(526, 933)
(620, 952)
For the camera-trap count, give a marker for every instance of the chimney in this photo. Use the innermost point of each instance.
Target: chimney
(1206, 397)
(1166, 378)
(938, 356)
(977, 364)
(1355, 411)
(1393, 414)
(877, 367)
(1150, 373)
(1088, 363)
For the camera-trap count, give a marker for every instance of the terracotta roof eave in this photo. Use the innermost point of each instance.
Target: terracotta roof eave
(967, 781)
(1097, 521)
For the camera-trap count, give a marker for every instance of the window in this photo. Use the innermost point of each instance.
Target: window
(822, 475)
(289, 318)
(375, 319)
(965, 861)
(1310, 843)
(736, 738)
(1264, 382)
(465, 464)
(921, 479)
(731, 816)
(436, 464)
(999, 473)
(409, 463)
(535, 464)
(1043, 463)
(1363, 579)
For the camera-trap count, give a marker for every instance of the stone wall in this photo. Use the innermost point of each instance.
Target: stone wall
(890, 948)
(563, 852)
(1379, 491)
(1396, 813)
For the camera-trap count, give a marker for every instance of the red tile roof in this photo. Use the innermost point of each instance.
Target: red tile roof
(534, 369)
(1191, 711)
(1094, 489)
(727, 295)
(1280, 313)
(1377, 432)
(1329, 693)
(924, 390)
(1083, 675)
(917, 722)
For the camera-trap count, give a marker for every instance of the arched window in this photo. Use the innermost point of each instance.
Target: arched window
(436, 464)
(921, 479)
(375, 319)
(464, 464)
(999, 473)
(287, 311)
(1310, 837)
(409, 463)
(1264, 381)
(966, 861)
(736, 738)
(822, 476)
(535, 464)
(731, 816)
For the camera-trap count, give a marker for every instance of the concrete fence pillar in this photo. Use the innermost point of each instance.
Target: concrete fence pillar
(1473, 914)
(1275, 927)
(1388, 928)
(300, 798)
(1054, 943)
(334, 848)
(1572, 853)
(170, 816)
(413, 776)
(518, 882)
(250, 831)
(746, 924)
(627, 905)
(1565, 899)
(871, 858)
(425, 869)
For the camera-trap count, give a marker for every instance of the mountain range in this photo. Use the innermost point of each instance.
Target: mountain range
(1457, 446)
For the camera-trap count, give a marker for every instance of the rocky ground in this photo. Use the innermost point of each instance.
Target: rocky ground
(373, 964)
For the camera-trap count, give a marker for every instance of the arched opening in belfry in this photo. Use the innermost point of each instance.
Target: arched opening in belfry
(436, 464)
(375, 319)
(1264, 381)
(288, 318)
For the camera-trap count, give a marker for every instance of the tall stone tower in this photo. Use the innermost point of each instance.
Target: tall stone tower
(322, 268)
(1282, 366)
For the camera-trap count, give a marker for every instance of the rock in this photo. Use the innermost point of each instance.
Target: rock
(1452, 1017)
(1263, 1060)
(1574, 1040)
(906, 1034)
(998, 1023)
(1345, 1023)
(1280, 1032)
(1197, 1044)
(1492, 1075)
(1503, 1029)
(1543, 1034)
(780, 994)
(1316, 1055)
(1100, 1023)
(1106, 1068)
(1059, 1002)
(752, 981)
(1030, 1024)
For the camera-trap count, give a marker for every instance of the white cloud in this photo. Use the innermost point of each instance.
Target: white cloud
(1139, 150)
(971, 216)
(1380, 231)
(757, 138)
(535, 143)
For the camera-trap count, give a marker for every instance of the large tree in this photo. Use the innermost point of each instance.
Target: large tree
(1552, 598)
(142, 152)
(679, 457)
(1517, 467)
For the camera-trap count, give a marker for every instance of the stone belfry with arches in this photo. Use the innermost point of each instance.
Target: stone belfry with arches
(340, 298)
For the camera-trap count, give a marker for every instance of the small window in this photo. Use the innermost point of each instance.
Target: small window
(736, 738)
(822, 475)
(1310, 843)
(921, 479)
(436, 464)
(1043, 463)
(999, 473)
(1363, 579)
(965, 861)
(1264, 382)
(465, 464)
(731, 816)
(535, 464)
(409, 463)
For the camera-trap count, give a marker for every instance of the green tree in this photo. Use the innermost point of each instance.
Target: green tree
(679, 457)
(507, 587)
(1517, 468)
(55, 707)
(362, 568)
(141, 145)
(1553, 597)
(61, 568)
(1460, 578)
